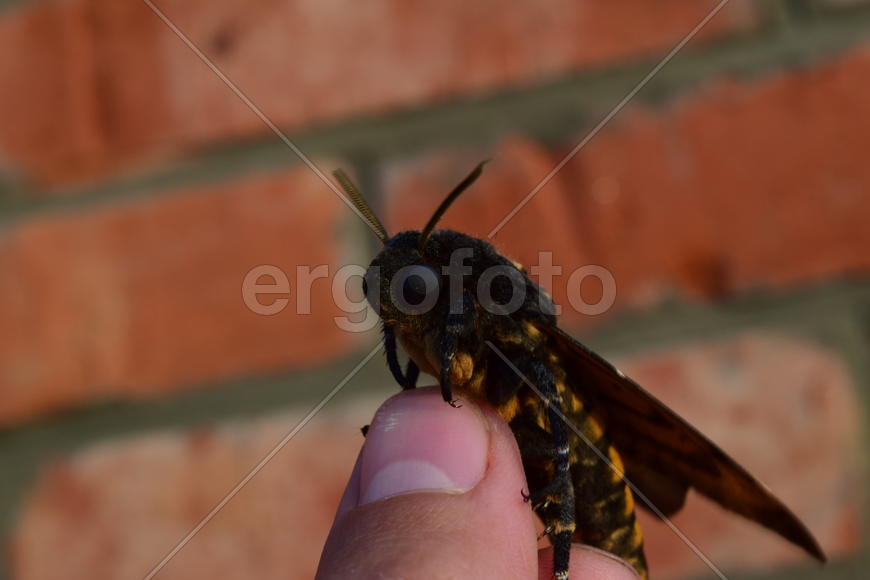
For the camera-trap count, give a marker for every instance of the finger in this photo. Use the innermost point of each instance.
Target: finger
(437, 494)
(350, 499)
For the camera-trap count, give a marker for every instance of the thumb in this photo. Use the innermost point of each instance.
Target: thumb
(435, 494)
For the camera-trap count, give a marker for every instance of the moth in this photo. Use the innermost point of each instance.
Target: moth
(592, 441)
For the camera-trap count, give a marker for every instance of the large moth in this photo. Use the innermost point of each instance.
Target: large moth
(592, 441)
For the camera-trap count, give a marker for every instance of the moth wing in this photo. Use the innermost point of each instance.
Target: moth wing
(663, 492)
(663, 454)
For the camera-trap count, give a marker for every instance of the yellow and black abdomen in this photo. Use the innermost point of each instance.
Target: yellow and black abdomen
(603, 513)
(604, 504)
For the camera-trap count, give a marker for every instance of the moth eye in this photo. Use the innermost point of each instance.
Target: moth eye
(416, 288)
(365, 287)
(418, 282)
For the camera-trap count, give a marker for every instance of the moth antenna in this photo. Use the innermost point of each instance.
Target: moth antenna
(360, 203)
(451, 197)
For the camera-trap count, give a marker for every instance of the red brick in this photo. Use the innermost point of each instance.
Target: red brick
(145, 296)
(116, 510)
(90, 85)
(783, 406)
(741, 185)
(80, 87)
(745, 184)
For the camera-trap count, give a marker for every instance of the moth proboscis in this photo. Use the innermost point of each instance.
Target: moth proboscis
(588, 435)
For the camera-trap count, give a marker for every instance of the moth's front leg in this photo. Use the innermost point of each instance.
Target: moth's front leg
(460, 320)
(408, 379)
(412, 373)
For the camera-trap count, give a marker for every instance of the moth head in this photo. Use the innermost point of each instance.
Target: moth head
(405, 281)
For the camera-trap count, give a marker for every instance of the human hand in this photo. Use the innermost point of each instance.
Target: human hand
(435, 493)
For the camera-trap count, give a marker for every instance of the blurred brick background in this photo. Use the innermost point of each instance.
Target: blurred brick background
(730, 200)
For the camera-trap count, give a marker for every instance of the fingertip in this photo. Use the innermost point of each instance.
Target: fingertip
(403, 511)
(416, 442)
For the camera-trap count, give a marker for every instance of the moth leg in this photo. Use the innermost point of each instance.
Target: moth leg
(408, 379)
(546, 459)
(412, 373)
(455, 327)
(393, 360)
(562, 500)
(537, 451)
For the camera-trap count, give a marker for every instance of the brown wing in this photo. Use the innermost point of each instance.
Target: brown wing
(663, 454)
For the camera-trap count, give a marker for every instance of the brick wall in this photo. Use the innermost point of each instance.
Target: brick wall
(138, 383)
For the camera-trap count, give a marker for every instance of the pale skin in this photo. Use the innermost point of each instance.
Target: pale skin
(435, 493)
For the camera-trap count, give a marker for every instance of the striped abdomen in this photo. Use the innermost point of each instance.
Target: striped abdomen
(600, 506)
